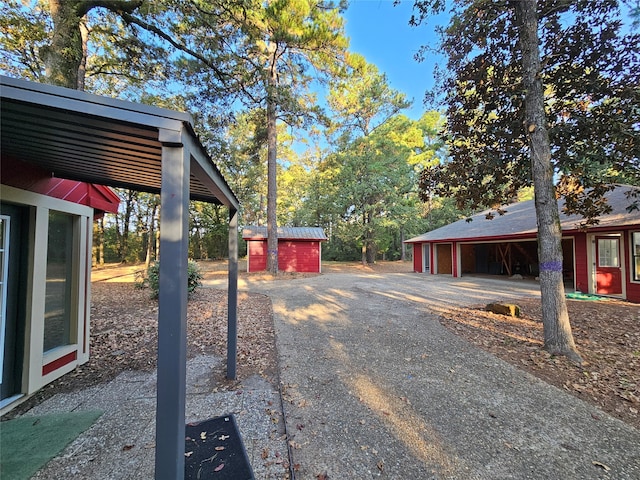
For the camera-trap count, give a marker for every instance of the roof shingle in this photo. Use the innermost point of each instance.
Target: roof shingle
(520, 221)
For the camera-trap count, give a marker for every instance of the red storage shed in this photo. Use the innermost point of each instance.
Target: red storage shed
(299, 249)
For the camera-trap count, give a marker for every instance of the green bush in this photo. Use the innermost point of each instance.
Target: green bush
(152, 279)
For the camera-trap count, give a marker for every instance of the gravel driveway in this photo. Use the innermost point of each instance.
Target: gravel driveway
(375, 387)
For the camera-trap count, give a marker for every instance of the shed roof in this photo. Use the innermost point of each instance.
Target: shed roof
(285, 233)
(520, 221)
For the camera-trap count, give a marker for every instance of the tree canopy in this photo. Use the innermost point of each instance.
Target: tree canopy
(590, 71)
(543, 93)
(251, 73)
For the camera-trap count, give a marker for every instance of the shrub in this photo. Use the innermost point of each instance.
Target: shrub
(152, 279)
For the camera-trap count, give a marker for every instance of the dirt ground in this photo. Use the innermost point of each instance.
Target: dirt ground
(124, 337)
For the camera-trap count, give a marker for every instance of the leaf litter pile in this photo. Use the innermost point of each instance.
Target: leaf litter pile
(124, 336)
(607, 335)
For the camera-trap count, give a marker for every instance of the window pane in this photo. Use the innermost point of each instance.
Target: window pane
(57, 317)
(608, 252)
(636, 255)
(4, 253)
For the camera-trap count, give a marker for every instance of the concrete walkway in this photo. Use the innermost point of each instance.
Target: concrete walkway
(375, 387)
(121, 443)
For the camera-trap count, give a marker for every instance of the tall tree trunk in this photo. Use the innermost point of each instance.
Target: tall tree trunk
(82, 68)
(94, 250)
(558, 338)
(126, 221)
(365, 237)
(100, 242)
(63, 56)
(371, 247)
(151, 240)
(272, 195)
(118, 236)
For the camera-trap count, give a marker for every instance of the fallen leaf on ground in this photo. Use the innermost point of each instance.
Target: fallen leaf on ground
(601, 465)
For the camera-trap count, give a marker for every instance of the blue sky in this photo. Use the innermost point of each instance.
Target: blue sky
(381, 33)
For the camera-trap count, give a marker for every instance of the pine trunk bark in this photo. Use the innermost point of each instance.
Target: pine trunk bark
(126, 222)
(151, 235)
(365, 237)
(63, 56)
(272, 194)
(558, 338)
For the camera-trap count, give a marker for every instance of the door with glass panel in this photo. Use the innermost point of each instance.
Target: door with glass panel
(608, 265)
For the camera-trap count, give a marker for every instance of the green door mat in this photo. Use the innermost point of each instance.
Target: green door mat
(584, 296)
(28, 443)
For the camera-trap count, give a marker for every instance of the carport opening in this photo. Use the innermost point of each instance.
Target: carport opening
(512, 258)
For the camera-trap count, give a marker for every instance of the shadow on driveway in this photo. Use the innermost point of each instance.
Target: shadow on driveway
(374, 386)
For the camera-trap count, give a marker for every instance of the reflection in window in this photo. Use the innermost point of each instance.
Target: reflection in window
(57, 317)
(635, 246)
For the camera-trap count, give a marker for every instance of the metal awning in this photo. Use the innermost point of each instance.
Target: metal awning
(94, 139)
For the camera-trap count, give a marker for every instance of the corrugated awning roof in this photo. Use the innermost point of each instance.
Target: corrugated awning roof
(285, 233)
(89, 138)
(520, 221)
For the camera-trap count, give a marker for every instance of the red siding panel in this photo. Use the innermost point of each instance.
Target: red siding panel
(580, 258)
(633, 288)
(417, 257)
(633, 292)
(293, 256)
(299, 256)
(257, 251)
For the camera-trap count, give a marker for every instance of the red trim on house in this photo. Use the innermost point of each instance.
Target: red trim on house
(59, 363)
(417, 257)
(633, 288)
(580, 259)
(25, 176)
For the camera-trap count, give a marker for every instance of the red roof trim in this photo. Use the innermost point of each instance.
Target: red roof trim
(34, 179)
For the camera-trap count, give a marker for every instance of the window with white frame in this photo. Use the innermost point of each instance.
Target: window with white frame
(635, 255)
(608, 252)
(58, 314)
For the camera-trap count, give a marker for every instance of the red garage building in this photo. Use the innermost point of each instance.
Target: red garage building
(603, 259)
(299, 249)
